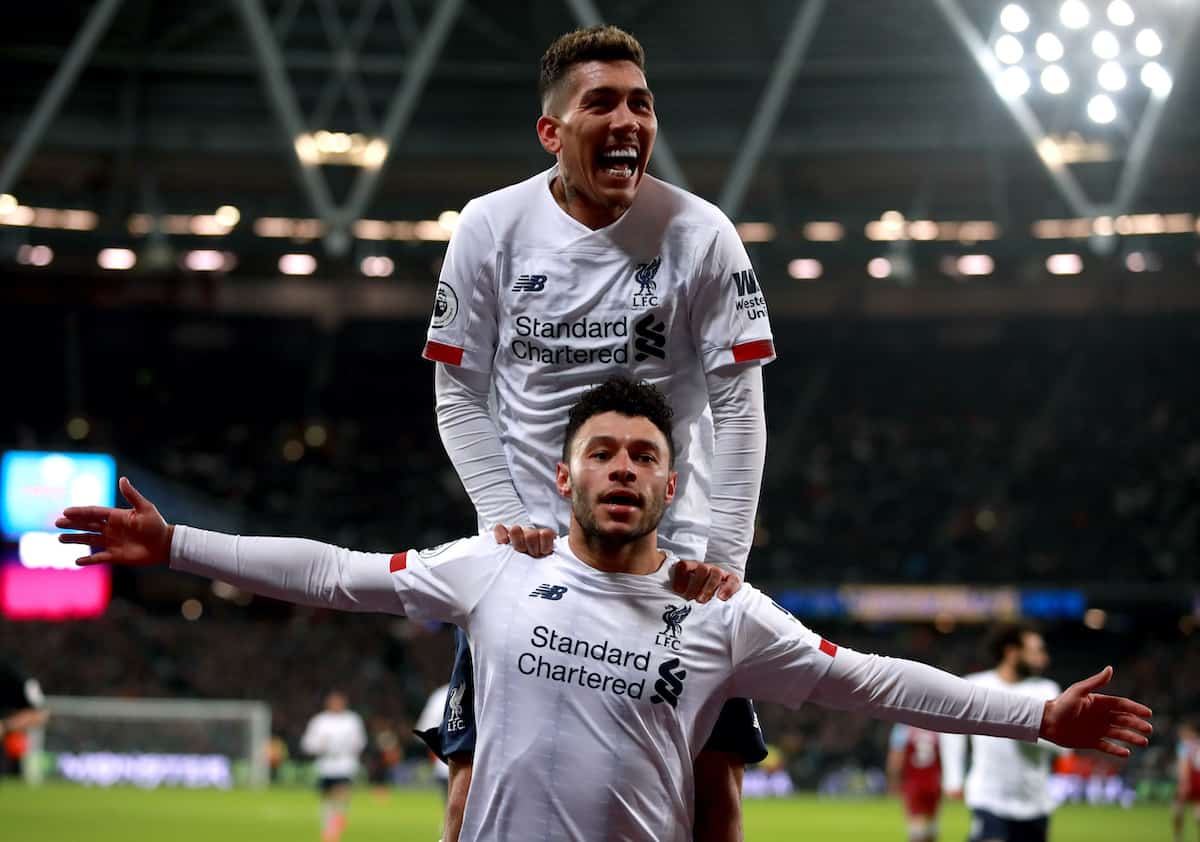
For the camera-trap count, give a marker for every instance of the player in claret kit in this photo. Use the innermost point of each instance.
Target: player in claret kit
(1188, 779)
(590, 268)
(914, 770)
(598, 685)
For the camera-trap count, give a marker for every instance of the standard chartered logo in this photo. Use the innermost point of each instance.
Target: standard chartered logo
(669, 686)
(576, 342)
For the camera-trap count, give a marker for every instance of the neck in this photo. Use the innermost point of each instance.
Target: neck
(579, 208)
(640, 556)
(1008, 673)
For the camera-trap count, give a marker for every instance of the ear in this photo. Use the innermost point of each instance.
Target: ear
(562, 479)
(672, 478)
(547, 132)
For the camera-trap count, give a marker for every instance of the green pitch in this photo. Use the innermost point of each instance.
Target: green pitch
(75, 814)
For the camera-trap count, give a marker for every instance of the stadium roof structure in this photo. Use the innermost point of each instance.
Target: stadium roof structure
(349, 127)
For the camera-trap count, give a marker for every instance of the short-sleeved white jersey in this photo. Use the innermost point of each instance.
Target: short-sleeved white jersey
(337, 738)
(595, 691)
(1006, 778)
(550, 307)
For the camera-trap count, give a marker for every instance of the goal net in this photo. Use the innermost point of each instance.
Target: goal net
(151, 742)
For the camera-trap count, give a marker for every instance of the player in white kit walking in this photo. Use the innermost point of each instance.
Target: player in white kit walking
(336, 737)
(598, 683)
(1006, 788)
(591, 268)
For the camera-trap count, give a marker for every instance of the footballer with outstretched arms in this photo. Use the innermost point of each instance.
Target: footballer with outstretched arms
(599, 684)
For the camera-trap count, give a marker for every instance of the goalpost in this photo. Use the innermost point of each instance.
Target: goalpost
(151, 742)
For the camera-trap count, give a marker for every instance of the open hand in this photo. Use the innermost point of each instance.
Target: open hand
(695, 580)
(1081, 718)
(136, 537)
(533, 541)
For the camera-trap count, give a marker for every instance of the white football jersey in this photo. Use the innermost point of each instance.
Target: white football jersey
(548, 307)
(595, 691)
(1006, 778)
(337, 738)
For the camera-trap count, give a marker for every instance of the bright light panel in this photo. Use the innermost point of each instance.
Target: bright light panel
(1012, 83)
(1048, 47)
(1101, 109)
(1120, 13)
(1105, 45)
(1074, 14)
(35, 255)
(976, 264)
(1009, 49)
(1055, 80)
(1064, 264)
(205, 260)
(879, 267)
(1148, 43)
(1156, 78)
(297, 264)
(377, 267)
(1014, 18)
(116, 259)
(1112, 76)
(805, 269)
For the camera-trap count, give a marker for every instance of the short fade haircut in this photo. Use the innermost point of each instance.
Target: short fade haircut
(1006, 635)
(595, 43)
(631, 398)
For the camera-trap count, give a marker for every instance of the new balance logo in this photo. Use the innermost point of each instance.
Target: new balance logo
(745, 281)
(669, 686)
(651, 338)
(554, 592)
(529, 283)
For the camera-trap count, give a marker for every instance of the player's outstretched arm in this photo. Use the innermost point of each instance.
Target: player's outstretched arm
(1081, 718)
(291, 569)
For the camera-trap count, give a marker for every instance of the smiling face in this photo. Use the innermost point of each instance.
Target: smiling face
(600, 125)
(619, 479)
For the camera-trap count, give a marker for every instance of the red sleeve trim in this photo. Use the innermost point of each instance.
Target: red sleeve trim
(828, 648)
(399, 562)
(756, 350)
(440, 353)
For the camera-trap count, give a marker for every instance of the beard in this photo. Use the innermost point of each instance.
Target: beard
(1025, 670)
(585, 513)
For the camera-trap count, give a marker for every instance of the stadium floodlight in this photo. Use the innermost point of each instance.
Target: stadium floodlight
(228, 215)
(1049, 47)
(1012, 83)
(805, 269)
(1014, 18)
(1101, 109)
(377, 266)
(976, 264)
(1135, 261)
(116, 259)
(824, 232)
(1009, 49)
(1064, 264)
(208, 260)
(1105, 45)
(1155, 77)
(879, 267)
(1120, 13)
(1055, 80)
(29, 255)
(1148, 43)
(1112, 76)
(152, 742)
(297, 264)
(8, 203)
(1074, 14)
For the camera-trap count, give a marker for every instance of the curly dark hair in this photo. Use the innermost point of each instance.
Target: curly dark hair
(631, 398)
(595, 43)
(1005, 635)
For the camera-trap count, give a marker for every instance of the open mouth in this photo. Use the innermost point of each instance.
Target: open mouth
(619, 161)
(621, 498)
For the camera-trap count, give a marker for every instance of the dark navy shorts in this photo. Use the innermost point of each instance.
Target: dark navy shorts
(326, 784)
(736, 731)
(986, 827)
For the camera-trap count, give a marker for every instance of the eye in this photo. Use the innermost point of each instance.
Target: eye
(601, 455)
(648, 458)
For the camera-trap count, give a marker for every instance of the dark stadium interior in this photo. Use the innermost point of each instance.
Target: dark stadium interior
(1021, 428)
